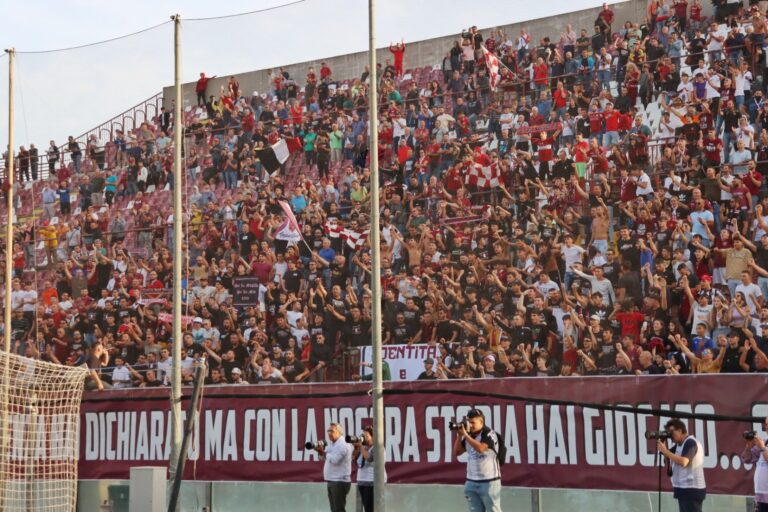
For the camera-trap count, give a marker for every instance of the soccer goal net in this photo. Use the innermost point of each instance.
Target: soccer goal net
(39, 434)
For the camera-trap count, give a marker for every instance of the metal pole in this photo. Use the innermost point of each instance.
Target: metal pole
(9, 222)
(378, 390)
(176, 427)
(189, 426)
(4, 424)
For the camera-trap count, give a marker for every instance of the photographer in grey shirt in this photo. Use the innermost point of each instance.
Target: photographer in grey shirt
(337, 470)
(483, 484)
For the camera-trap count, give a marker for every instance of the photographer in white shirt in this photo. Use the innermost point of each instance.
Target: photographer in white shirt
(755, 452)
(337, 470)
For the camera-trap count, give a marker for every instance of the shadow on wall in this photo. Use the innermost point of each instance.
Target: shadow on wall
(230, 496)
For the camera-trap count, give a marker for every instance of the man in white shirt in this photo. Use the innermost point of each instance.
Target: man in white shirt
(29, 301)
(599, 283)
(442, 119)
(337, 470)
(715, 39)
(685, 88)
(121, 376)
(545, 284)
(642, 183)
(739, 158)
(164, 365)
(752, 293)
(572, 255)
(203, 291)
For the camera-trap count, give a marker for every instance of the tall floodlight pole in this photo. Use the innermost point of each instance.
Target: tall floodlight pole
(178, 184)
(8, 277)
(373, 151)
(9, 221)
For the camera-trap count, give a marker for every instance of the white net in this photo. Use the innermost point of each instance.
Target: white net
(39, 434)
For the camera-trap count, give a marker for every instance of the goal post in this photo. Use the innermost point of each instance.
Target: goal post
(39, 434)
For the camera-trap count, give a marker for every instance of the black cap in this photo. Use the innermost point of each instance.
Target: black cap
(475, 413)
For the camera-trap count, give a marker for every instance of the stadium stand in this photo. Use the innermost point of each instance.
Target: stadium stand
(597, 205)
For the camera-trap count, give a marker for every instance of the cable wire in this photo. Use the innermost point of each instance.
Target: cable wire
(274, 7)
(96, 43)
(141, 31)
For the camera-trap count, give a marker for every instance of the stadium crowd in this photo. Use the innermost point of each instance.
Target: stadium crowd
(597, 206)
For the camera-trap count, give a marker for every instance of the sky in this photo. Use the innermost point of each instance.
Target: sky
(68, 92)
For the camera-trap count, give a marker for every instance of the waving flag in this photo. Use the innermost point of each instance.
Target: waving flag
(354, 239)
(483, 176)
(289, 230)
(492, 63)
(289, 215)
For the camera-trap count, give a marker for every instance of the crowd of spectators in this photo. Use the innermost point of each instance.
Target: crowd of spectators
(621, 226)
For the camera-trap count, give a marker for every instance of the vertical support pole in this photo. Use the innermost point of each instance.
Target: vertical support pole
(378, 389)
(4, 424)
(9, 221)
(178, 184)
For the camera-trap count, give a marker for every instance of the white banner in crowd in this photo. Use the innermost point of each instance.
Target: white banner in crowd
(281, 151)
(406, 362)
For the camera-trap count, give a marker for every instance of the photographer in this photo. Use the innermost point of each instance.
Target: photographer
(483, 486)
(687, 466)
(338, 467)
(755, 452)
(363, 455)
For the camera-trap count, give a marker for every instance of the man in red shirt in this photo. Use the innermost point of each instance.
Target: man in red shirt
(544, 148)
(606, 16)
(630, 319)
(753, 180)
(325, 71)
(612, 120)
(536, 119)
(712, 146)
(638, 150)
(540, 75)
(595, 123)
(696, 12)
(398, 51)
(681, 12)
(248, 123)
(580, 157)
(597, 154)
(627, 187)
(404, 153)
(202, 85)
(453, 179)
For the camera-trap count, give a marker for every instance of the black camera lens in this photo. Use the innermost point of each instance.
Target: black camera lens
(749, 434)
(456, 425)
(661, 435)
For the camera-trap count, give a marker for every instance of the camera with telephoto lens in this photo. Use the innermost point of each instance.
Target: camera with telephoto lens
(749, 434)
(661, 435)
(456, 425)
(355, 439)
(311, 446)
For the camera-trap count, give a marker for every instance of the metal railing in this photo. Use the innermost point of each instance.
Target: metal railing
(126, 121)
(139, 113)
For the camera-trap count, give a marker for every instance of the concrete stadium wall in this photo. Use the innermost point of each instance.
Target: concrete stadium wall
(225, 496)
(419, 53)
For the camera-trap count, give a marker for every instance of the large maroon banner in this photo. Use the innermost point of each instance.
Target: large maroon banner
(258, 432)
